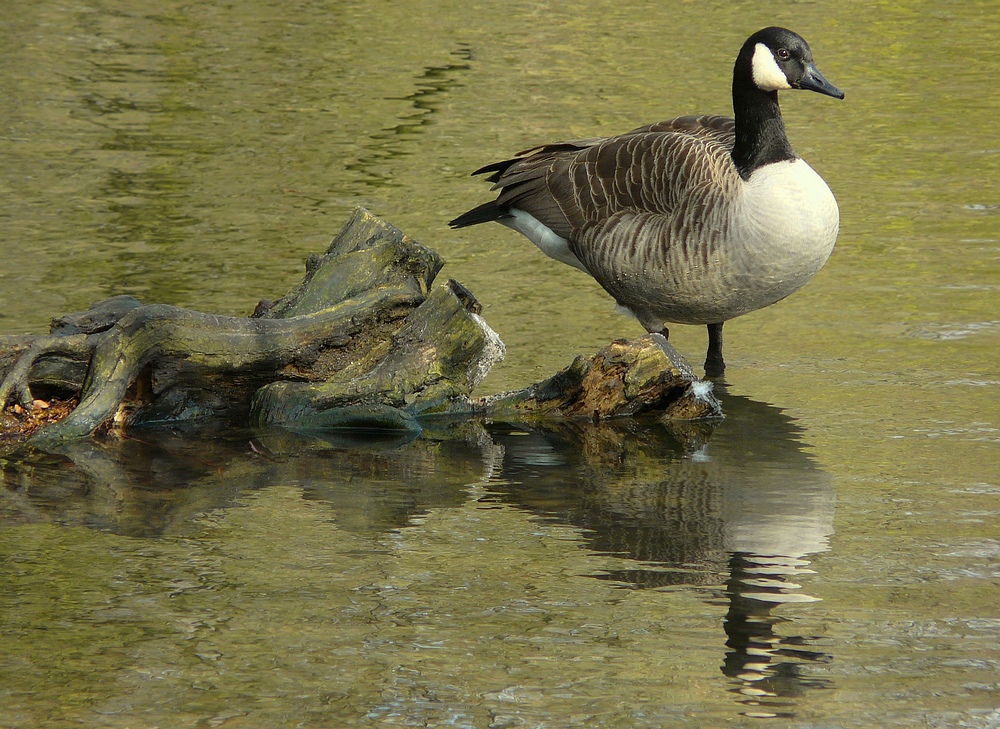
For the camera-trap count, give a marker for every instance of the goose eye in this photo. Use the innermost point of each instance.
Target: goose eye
(783, 54)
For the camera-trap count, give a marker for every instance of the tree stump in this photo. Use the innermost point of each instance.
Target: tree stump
(366, 340)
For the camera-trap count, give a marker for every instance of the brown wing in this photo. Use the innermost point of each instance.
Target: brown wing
(572, 186)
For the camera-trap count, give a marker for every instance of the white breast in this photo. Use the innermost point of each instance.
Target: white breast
(791, 201)
(787, 222)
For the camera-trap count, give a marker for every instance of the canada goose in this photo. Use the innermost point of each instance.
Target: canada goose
(695, 220)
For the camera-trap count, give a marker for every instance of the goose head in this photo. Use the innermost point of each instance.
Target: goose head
(774, 58)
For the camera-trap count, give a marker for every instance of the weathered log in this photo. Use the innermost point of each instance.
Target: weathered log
(440, 353)
(624, 378)
(365, 340)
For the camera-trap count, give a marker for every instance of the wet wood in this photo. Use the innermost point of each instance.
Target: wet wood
(624, 378)
(366, 340)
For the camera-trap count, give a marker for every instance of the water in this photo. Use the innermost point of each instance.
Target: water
(828, 556)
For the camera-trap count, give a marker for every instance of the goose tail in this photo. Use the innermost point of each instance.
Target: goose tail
(484, 213)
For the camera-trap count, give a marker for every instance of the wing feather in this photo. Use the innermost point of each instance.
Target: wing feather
(571, 186)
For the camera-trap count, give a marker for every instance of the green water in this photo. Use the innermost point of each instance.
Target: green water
(828, 556)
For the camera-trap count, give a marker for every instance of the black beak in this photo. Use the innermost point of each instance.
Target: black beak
(813, 80)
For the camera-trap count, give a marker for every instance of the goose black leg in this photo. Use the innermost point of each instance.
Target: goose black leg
(714, 364)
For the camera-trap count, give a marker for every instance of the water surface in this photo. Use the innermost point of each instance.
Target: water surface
(827, 556)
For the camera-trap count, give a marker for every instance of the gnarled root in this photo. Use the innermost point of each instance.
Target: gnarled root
(16, 383)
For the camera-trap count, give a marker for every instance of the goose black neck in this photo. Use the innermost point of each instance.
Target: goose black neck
(760, 131)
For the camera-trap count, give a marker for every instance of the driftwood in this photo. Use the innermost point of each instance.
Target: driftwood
(364, 341)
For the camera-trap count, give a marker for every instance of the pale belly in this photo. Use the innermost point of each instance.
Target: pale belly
(781, 232)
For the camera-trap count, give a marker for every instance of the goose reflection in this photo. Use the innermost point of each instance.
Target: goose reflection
(744, 506)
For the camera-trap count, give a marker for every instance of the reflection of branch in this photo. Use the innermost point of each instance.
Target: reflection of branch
(15, 505)
(106, 474)
(434, 81)
(393, 141)
(98, 496)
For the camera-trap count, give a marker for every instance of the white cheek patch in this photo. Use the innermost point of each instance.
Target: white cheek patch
(766, 73)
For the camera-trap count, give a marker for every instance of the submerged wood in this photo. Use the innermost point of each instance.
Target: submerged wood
(365, 340)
